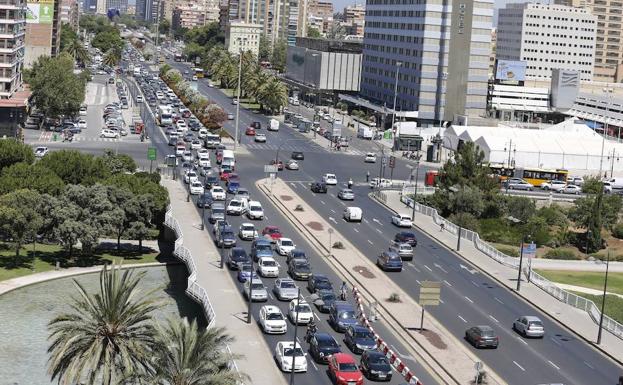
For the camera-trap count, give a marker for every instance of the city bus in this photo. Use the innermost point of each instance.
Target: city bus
(533, 175)
(198, 73)
(177, 57)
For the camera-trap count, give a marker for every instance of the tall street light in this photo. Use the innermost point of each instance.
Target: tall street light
(398, 64)
(236, 139)
(603, 299)
(603, 137)
(250, 293)
(523, 239)
(417, 174)
(296, 323)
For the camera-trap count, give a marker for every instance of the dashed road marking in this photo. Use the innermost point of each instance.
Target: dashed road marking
(553, 364)
(379, 230)
(365, 220)
(370, 242)
(333, 211)
(321, 201)
(554, 341)
(355, 230)
(493, 318)
(462, 319)
(589, 365)
(522, 341)
(440, 268)
(467, 298)
(499, 300)
(519, 366)
(475, 284)
(429, 269)
(447, 283)
(413, 266)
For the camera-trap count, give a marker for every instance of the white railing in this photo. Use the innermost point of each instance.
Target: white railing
(549, 287)
(193, 289)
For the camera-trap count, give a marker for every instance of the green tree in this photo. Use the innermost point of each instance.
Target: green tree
(12, 151)
(465, 220)
(108, 334)
(74, 167)
(592, 185)
(118, 163)
(279, 55)
(31, 176)
(138, 231)
(108, 39)
(56, 90)
(19, 218)
(186, 354)
(164, 27)
(76, 49)
(265, 52)
(273, 95)
(112, 57)
(467, 168)
(521, 208)
(128, 210)
(466, 200)
(164, 69)
(313, 32)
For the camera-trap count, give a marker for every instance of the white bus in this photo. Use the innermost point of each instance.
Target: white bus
(165, 115)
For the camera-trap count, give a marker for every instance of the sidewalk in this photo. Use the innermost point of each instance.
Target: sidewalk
(582, 324)
(436, 348)
(225, 297)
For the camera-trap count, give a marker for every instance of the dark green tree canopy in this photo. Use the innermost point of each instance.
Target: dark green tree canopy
(12, 151)
(31, 176)
(74, 167)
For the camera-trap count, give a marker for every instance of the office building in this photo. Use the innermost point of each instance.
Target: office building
(547, 37)
(241, 36)
(69, 13)
(319, 14)
(442, 72)
(89, 6)
(280, 19)
(43, 30)
(121, 5)
(140, 11)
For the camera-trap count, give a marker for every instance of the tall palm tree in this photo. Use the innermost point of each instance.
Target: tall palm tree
(107, 335)
(273, 95)
(76, 49)
(188, 355)
(112, 57)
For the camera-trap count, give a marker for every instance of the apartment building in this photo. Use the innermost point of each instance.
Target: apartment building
(69, 13)
(546, 37)
(121, 5)
(439, 56)
(241, 36)
(42, 32)
(319, 14)
(12, 46)
(354, 19)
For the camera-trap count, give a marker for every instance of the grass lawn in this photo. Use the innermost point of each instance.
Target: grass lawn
(47, 255)
(592, 279)
(614, 304)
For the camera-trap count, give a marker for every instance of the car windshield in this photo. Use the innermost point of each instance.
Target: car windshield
(303, 308)
(298, 254)
(348, 367)
(274, 316)
(289, 352)
(329, 342)
(486, 333)
(269, 263)
(272, 231)
(287, 285)
(248, 228)
(218, 211)
(349, 314)
(378, 359)
(262, 247)
(363, 334)
(286, 243)
(234, 204)
(327, 296)
(245, 267)
(303, 267)
(346, 191)
(258, 286)
(255, 208)
(535, 323)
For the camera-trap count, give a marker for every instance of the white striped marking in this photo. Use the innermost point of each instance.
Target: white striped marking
(493, 318)
(499, 300)
(553, 364)
(321, 201)
(447, 283)
(429, 269)
(467, 298)
(462, 319)
(370, 242)
(589, 365)
(522, 341)
(355, 230)
(333, 211)
(519, 366)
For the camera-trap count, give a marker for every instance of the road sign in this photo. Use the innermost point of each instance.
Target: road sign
(529, 250)
(270, 168)
(151, 153)
(392, 161)
(384, 160)
(430, 292)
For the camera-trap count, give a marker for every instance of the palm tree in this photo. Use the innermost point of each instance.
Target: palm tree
(273, 95)
(107, 335)
(76, 49)
(188, 355)
(112, 57)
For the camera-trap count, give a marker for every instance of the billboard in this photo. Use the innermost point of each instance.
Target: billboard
(39, 11)
(510, 70)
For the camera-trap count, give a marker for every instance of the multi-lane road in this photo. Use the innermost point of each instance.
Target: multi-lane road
(469, 298)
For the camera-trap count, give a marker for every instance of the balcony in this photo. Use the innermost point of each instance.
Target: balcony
(12, 4)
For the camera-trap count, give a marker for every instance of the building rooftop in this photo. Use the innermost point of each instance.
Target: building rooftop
(326, 45)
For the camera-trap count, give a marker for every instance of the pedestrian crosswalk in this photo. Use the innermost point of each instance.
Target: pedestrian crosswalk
(51, 137)
(302, 146)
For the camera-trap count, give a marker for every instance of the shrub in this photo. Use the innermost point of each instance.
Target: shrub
(338, 245)
(617, 230)
(508, 250)
(500, 231)
(394, 297)
(561, 254)
(465, 220)
(299, 208)
(553, 215)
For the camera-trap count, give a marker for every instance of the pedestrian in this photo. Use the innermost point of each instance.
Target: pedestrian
(442, 226)
(350, 183)
(367, 176)
(343, 291)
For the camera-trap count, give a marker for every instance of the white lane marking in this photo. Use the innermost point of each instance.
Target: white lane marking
(499, 300)
(553, 364)
(418, 281)
(493, 318)
(413, 266)
(377, 221)
(316, 315)
(522, 341)
(519, 366)
(370, 242)
(354, 229)
(321, 201)
(271, 296)
(342, 203)
(379, 230)
(293, 185)
(441, 301)
(333, 211)
(447, 283)
(404, 356)
(589, 365)
(475, 284)
(554, 341)
(462, 319)
(440, 268)
(467, 298)
(429, 269)
(365, 220)
(333, 220)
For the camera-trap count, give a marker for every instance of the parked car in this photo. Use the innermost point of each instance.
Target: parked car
(572, 189)
(482, 336)
(529, 326)
(322, 346)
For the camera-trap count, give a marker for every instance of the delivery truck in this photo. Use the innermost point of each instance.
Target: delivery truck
(274, 125)
(364, 132)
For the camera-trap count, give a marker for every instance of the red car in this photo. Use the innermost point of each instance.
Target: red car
(225, 174)
(343, 370)
(230, 176)
(278, 163)
(250, 131)
(272, 232)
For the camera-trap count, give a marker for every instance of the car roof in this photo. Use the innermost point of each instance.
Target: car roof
(484, 328)
(343, 358)
(531, 318)
(359, 328)
(324, 337)
(320, 277)
(271, 309)
(285, 280)
(409, 233)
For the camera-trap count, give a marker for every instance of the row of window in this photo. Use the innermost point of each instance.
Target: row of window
(550, 26)
(561, 61)
(565, 19)
(552, 43)
(535, 33)
(549, 68)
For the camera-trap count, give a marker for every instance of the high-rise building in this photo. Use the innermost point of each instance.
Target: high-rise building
(121, 5)
(69, 13)
(608, 46)
(440, 57)
(546, 37)
(12, 46)
(140, 12)
(89, 6)
(354, 19)
(43, 28)
(319, 14)
(192, 14)
(242, 36)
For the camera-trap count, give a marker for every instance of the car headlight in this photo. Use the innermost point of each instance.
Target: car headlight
(321, 354)
(361, 346)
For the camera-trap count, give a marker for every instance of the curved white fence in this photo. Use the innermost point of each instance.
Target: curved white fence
(549, 287)
(194, 290)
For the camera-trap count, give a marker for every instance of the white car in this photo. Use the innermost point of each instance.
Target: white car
(268, 267)
(260, 138)
(194, 78)
(402, 220)
(203, 153)
(179, 150)
(370, 158)
(382, 183)
(196, 144)
(190, 177)
(287, 353)
(139, 99)
(572, 189)
(247, 232)
(196, 188)
(272, 320)
(203, 133)
(181, 125)
(82, 124)
(330, 179)
(301, 309)
(205, 162)
(218, 194)
(292, 164)
(187, 156)
(235, 207)
(284, 246)
(83, 111)
(255, 210)
(230, 116)
(106, 133)
(40, 152)
(554, 185)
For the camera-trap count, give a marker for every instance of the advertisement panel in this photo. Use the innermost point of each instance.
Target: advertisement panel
(39, 11)
(510, 70)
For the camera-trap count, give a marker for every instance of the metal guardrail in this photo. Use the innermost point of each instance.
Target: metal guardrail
(194, 290)
(544, 284)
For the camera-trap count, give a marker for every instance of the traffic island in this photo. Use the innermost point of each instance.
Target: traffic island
(437, 349)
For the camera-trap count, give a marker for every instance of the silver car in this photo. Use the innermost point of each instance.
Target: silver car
(519, 185)
(259, 292)
(285, 289)
(346, 194)
(529, 326)
(404, 250)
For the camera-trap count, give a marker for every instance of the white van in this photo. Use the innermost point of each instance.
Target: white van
(616, 183)
(353, 214)
(228, 158)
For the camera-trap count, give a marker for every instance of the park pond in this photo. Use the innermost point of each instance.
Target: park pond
(25, 313)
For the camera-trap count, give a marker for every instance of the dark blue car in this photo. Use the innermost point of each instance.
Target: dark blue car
(232, 187)
(261, 248)
(389, 261)
(359, 339)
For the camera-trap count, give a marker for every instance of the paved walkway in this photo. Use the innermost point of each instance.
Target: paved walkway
(229, 306)
(436, 349)
(582, 289)
(575, 319)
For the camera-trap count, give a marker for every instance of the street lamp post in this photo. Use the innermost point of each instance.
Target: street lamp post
(250, 293)
(203, 214)
(398, 64)
(603, 300)
(296, 323)
(236, 139)
(523, 239)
